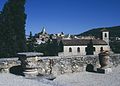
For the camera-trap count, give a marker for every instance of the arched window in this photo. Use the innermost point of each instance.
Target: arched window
(105, 34)
(78, 49)
(101, 49)
(70, 49)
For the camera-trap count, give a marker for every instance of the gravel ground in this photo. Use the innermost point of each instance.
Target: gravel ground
(7, 79)
(90, 79)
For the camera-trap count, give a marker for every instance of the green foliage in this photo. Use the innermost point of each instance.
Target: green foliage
(90, 49)
(31, 43)
(50, 48)
(115, 46)
(12, 29)
(41, 48)
(60, 46)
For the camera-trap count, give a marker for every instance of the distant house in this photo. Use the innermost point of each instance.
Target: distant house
(42, 37)
(79, 46)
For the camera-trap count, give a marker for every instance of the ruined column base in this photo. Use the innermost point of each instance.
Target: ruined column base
(104, 71)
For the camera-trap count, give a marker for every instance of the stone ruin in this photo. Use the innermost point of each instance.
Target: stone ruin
(59, 65)
(104, 60)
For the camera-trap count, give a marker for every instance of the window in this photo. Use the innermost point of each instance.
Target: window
(94, 49)
(70, 49)
(105, 34)
(101, 49)
(78, 49)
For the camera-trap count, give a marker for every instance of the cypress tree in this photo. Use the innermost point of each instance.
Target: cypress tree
(13, 16)
(3, 47)
(90, 49)
(31, 43)
(60, 47)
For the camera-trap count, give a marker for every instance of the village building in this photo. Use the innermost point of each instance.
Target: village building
(72, 47)
(42, 37)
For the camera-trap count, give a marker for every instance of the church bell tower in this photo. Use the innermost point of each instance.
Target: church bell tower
(105, 36)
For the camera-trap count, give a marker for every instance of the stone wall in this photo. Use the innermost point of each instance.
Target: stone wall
(61, 65)
(7, 63)
(115, 59)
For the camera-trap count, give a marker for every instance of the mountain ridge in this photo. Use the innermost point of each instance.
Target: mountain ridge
(114, 32)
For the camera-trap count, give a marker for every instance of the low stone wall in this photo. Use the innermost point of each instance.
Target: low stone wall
(61, 65)
(7, 63)
(115, 59)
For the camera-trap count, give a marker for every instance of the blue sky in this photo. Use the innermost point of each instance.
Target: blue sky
(70, 16)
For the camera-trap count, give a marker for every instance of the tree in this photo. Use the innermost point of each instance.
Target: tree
(31, 43)
(115, 46)
(1, 35)
(50, 48)
(13, 28)
(90, 49)
(31, 36)
(60, 46)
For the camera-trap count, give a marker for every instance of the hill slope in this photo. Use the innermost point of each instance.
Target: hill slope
(114, 32)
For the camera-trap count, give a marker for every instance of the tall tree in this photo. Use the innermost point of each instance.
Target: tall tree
(13, 15)
(90, 49)
(60, 46)
(31, 43)
(1, 34)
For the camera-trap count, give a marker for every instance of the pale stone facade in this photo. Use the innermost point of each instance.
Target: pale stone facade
(82, 51)
(75, 47)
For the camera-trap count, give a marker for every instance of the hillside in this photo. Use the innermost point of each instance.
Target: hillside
(114, 32)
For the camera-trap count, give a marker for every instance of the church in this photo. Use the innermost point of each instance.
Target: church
(76, 47)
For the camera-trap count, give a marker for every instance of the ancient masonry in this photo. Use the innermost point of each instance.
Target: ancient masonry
(59, 65)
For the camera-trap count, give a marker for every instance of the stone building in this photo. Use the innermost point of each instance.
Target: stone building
(73, 47)
(42, 37)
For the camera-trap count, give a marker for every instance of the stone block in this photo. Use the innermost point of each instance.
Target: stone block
(104, 71)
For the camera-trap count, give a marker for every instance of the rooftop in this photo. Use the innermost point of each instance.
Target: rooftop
(76, 42)
(104, 30)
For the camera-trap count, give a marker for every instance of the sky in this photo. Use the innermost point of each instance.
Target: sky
(70, 16)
